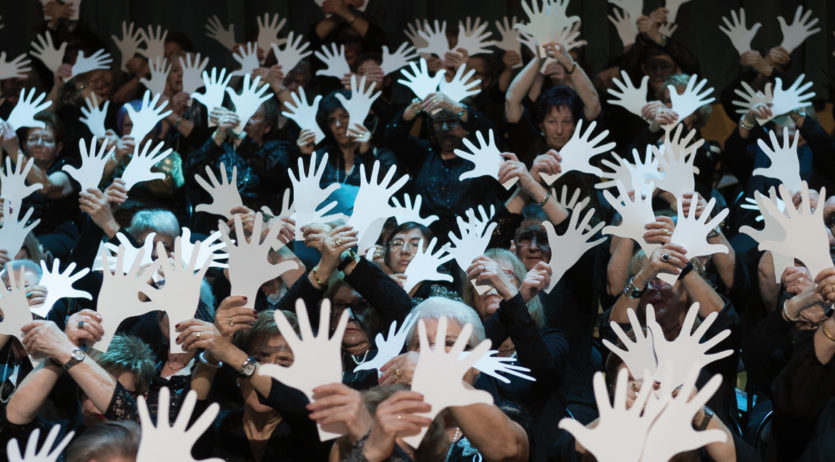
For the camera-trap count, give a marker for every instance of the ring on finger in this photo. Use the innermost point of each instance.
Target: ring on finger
(399, 417)
(81, 324)
(667, 232)
(665, 257)
(231, 323)
(197, 335)
(338, 242)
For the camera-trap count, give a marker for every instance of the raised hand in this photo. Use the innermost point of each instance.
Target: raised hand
(173, 442)
(639, 174)
(439, 374)
(140, 167)
(486, 158)
(225, 36)
(637, 354)
(392, 62)
(193, 67)
(692, 99)
(578, 151)
(408, 212)
(47, 53)
(247, 57)
(789, 99)
(46, 453)
(249, 265)
(294, 51)
(15, 69)
(209, 252)
(633, 8)
(371, 207)
(13, 187)
(424, 265)
(23, 114)
(92, 164)
(624, 25)
(796, 33)
(128, 45)
(268, 32)
(389, 347)
(570, 202)
(214, 89)
(635, 212)
(247, 102)
(309, 195)
(567, 249)
(94, 116)
(772, 229)
(13, 303)
(510, 40)
(130, 253)
(473, 36)
(146, 118)
(751, 98)
(629, 97)
(334, 59)
(736, 30)
(675, 159)
(304, 114)
(98, 60)
(412, 33)
(362, 97)
(419, 80)
(59, 285)
(474, 237)
(785, 165)
(546, 22)
(494, 365)
(436, 40)
(159, 68)
(461, 86)
(225, 195)
(317, 359)
(154, 42)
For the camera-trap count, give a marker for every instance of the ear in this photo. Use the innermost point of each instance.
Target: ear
(58, 147)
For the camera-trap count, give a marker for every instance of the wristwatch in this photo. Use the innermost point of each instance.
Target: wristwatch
(632, 291)
(248, 368)
(347, 257)
(77, 356)
(708, 414)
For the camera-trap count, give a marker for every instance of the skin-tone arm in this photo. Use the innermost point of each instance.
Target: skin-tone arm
(725, 262)
(26, 401)
(824, 345)
(760, 110)
(531, 188)
(617, 270)
(519, 89)
(769, 290)
(175, 120)
(649, 271)
(509, 59)
(579, 80)
(340, 8)
(700, 291)
(325, 241)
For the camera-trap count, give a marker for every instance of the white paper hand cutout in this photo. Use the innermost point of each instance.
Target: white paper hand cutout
(494, 365)
(461, 86)
(214, 89)
(94, 116)
(438, 374)
(128, 45)
(130, 254)
(225, 36)
(424, 265)
(371, 203)
(411, 32)
(474, 237)
(510, 39)
(639, 354)
(225, 195)
(287, 209)
(795, 34)
(304, 114)
(486, 158)
(334, 59)
(318, 359)
(572, 202)
(635, 212)
(389, 347)
(473, 36)
(14, 230)
(193, 66)
(785, 166)
(164, 441)
(772, 229)
(408, 212)
(98, 60)
(692, 99)
(47, 53)
(691, 233)
(578, 151)
(546, 22)
(568, 37)
(419, 80)
(247, 57)
(209, 252)
(675, 159)
(159, 69)
(791, 98)
(140, 168)
(46, 453)
(118, 298)
(625, 27)
(154, 42)
(15, 69)
(13, 187)
(362, 97)
(92, 164)
(309, 195)
(268, 32)
(567, 249)
(294, 51)
(146, 118)
(247, 102)
(750, 98)
(639, 175)
(23, 114)
(435, 38)
(59, 285)
(392, 62)
(629, 97)
(14, 305)
(249, 265)
(620, 432)
(633, 8)
(737, 31)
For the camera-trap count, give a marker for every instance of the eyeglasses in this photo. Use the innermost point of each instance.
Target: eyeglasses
(44, 139)
(525, 243)
(357, 306)
(398, 244)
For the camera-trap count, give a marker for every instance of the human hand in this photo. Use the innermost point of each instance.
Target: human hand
(337, 403)
(399, 369)
(84, 327)
(396, 416)
(537, 280)
(44, 339)
(232, 315)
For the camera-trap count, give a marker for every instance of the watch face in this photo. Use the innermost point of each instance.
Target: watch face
(248, 368)
(78, 355)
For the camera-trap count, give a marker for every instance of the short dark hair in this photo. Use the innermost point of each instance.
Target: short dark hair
(128, 354)
(558, 96)
(51, 120)
(264, 328)
(405, 227)
(105, 441)
(327, 105)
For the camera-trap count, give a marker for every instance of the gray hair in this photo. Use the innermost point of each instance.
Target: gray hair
(156, 220)
(25, 265)
(438, 307)
(106, 440)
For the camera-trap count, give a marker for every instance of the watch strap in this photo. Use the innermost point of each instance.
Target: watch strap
(632, 291)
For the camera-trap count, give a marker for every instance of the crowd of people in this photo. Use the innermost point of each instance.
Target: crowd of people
(775, 401)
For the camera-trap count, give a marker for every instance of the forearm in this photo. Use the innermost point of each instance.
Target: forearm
(30, 395)
(324, 27)
(202, 379)
(700, 291)
(518, 89)
(725, 262)
(492, 432)
(127, 91)
(825, 346)
(536, 87)
(617, 270)
(96, 383)
(504, 79)
(768, 286)
(721, 450)
(587, 93)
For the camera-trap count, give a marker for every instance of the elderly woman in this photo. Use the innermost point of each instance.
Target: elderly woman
(107, 441)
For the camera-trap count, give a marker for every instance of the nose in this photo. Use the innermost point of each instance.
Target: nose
(338, 123)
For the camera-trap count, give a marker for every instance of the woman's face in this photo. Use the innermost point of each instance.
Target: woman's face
(257, 127)
(42, 145)
(274, 351)
(487, 303)
(532, 250)
(402, 249)
(659, 68)
(347, 298)
(175, 78)
(101, 83)
(338, 125)
(453, 330)
(167, 243)
(557, 126)
(669, 303)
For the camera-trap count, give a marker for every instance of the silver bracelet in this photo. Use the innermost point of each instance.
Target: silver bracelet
(202, 358)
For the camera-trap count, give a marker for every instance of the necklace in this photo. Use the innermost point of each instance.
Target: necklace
(360, 361)
(452, 444)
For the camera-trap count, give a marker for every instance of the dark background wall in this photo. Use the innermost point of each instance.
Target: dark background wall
(698, 22)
